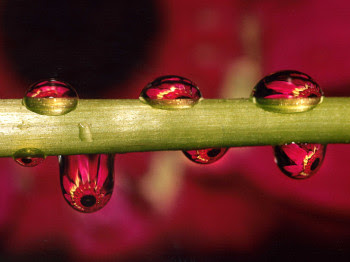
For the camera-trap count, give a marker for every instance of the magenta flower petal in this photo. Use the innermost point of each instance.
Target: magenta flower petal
(103, 173)
(295, 153)
(282, 87)
(67, 185)
(294, 169)
(83, 168)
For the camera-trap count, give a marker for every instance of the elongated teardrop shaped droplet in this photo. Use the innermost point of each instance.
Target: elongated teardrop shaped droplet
(87, 181)
(287, 92)
(51, 97)
(299, 161)
(171, 92)
(205, 156)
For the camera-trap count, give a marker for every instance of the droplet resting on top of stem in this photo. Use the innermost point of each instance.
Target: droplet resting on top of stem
(51, 97)
(287, 92)
(171, 92)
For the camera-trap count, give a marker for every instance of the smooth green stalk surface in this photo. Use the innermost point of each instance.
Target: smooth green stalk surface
(106, 126)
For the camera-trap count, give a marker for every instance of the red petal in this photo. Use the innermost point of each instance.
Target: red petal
(295, 153)
(294, 169)
(102, 173)
(83, 169)
(68, 185)
(282, 87)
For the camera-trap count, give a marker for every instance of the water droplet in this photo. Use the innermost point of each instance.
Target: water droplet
(205, 156)
(176, 92)
(171, 92)
(29, 157)
(299, 161)
(87, 181)
(51, 97)
(85, 132)
(287, 92)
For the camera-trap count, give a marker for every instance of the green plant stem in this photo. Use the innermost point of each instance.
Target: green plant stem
(119, 126)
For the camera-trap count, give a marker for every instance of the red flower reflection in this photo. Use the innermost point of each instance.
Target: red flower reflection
(205, 156)
(29, 161)
(87, 180)
(287, 84)
(171, 87)
(300, 160)
(292, 89)
(51, 89)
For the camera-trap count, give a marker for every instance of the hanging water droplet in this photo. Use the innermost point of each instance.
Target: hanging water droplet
(287, 92)
(205, 156)
(29, 157)
(51, 97)
(87, 181)
(171, 92)
(299, 161)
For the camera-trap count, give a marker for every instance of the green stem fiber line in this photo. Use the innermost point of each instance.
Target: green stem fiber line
(106, 126)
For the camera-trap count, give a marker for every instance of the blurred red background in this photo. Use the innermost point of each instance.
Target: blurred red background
(165, 208)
